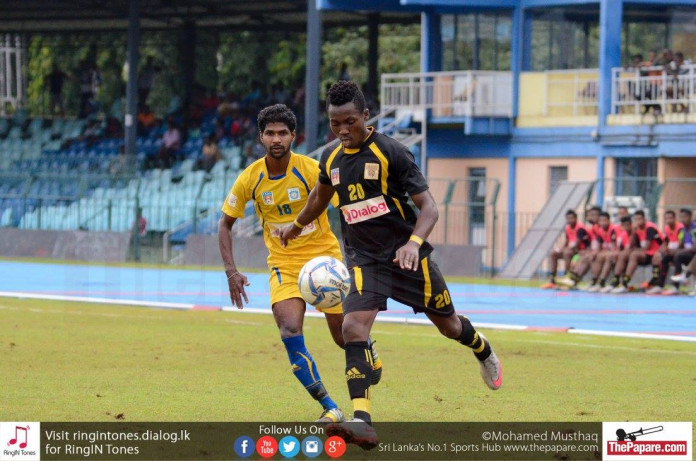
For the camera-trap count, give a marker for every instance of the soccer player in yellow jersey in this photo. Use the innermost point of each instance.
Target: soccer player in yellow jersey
(279, 185)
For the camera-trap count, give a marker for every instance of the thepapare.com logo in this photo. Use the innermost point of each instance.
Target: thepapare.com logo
(647, 440)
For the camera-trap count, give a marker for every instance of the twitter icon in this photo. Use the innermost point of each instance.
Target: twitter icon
(289, 446)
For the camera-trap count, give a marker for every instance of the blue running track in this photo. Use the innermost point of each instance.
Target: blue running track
(501, 306)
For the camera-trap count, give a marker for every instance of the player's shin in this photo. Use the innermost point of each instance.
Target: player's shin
(359, 376)
(471, 339)
(305, 370)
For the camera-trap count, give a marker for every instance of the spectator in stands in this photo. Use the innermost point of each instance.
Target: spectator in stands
(636, 62)
(279, 95)
(56, 79)
(253, 98)
(91, 132)
(146, 120)
(90, 80)
(118, 164)
(254, 151)
(138, 231)
(171, 144)
(219, 132)
(146, 79)
(210, 155)
(228, 107)
(211, 102)
(299, 98)
(665, 58)
(343, 72)
(141, 223)
(676, 90)
(113, 128)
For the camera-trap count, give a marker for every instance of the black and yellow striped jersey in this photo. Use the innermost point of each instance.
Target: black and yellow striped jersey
(373, 183)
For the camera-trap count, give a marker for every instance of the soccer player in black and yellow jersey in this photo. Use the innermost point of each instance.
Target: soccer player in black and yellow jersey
(385, 247)
(279, 185)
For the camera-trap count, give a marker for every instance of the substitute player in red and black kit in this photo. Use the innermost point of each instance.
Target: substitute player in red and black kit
(646, 240)
(577, 238)
(385, 247)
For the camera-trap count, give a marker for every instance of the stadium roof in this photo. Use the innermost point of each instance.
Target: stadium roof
(77, 15)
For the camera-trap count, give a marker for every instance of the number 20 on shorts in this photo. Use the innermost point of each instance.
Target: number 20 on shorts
(443, 299)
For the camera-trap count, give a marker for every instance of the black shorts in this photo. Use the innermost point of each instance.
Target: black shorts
(424, 290)
(645, 260)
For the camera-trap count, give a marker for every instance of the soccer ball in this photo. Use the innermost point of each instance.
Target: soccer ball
(324, 281)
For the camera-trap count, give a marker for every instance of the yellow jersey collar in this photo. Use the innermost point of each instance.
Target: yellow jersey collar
(287, 170)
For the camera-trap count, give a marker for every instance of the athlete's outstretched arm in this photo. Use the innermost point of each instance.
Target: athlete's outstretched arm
(317, 202)
(236, 281)
(407, 255)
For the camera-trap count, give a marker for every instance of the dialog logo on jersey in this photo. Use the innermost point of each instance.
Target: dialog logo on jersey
(268, 198)
(364, 210)
(335, 179)
(647, 440)
(294, 194)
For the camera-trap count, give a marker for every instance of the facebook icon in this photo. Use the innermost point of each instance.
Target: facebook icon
(244, 446)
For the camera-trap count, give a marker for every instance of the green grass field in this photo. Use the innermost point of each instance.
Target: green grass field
(83, 362)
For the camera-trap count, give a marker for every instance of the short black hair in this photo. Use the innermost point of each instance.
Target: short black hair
(343, 92)
(670, 212)
(276, 113)
(571, 213)
(626, 219)
(686, 211)
(604, 214)
(624, 207)
(639, 213)
(595, 208)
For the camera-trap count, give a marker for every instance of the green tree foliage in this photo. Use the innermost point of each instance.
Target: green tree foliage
(225, 61)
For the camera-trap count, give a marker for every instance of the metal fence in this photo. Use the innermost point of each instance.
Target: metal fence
(678, 193)
(645, 89)
(456, 93)
(571, 92)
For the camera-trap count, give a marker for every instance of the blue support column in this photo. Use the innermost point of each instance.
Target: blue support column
(600, 178)
(312, 75)
(132, 86)
(512, 221)
(431, 42)
(527, 42)
(517, 55)
(610, 19)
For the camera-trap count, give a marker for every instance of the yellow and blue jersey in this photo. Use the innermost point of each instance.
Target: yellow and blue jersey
(277, 202)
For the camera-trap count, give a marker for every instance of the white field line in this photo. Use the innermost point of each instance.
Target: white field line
(402, 320)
